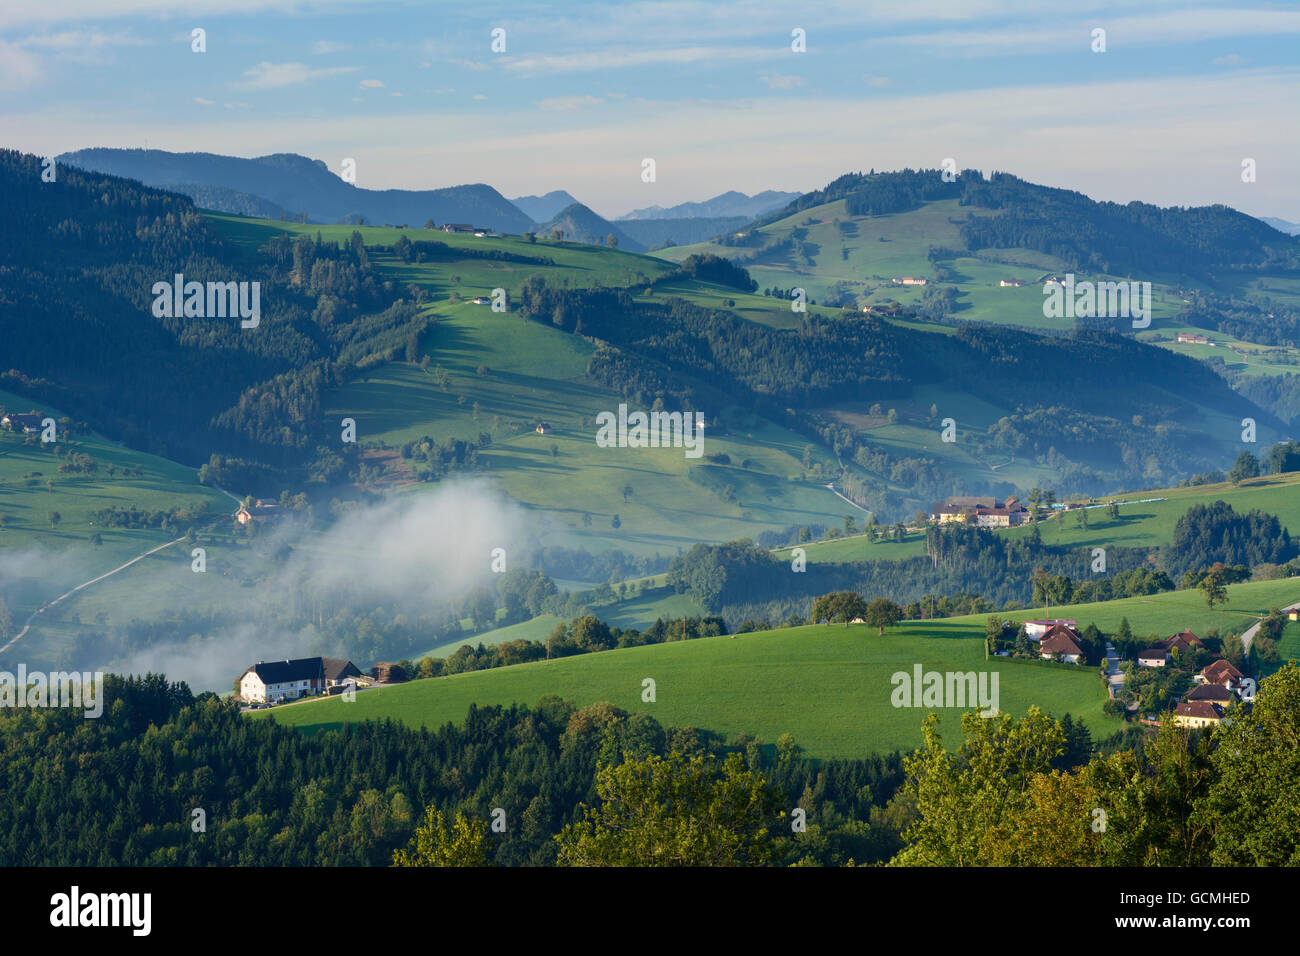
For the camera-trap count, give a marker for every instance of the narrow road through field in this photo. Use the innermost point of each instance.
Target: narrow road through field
(1249, 634)
(85, 584)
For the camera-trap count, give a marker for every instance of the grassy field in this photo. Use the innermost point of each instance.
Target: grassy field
(27, 502)
(1170, 612)
(1150, 524)
(828, 686)
(862, 255)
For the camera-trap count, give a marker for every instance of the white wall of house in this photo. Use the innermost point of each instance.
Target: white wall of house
(252, 688)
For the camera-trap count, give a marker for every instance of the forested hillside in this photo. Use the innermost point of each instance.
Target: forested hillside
(82, 255)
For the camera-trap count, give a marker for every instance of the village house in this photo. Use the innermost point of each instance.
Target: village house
(981, 512)
(1220, 673)
(260, 511)
(481, 300)
(26, 423)
(1153, 657)
(543, 428)
(1212, 692)
(1197, 713)
(1013, 283)
(1189, 339)
(1035, 630)
(458, 227)
(1184, 642)
(291, 679)
(1059, 641)
(909, 280)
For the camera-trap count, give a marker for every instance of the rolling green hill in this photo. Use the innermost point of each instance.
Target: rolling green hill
(828, 685)
(32, 488)
(843, 256)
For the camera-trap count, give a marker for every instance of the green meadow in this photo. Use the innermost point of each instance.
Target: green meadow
(32, 489)
(828, 686)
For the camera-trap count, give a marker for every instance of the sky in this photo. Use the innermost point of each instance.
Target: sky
(713, 91)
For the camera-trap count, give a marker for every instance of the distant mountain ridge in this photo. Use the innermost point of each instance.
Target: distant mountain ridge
(298, 184)
(582, 225)
(1281, 225)
(655, 233)
(730, 203)
(543, 208)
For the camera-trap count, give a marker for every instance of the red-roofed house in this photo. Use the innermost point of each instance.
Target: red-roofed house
(1198, 713)
(1182, 642)
(1059, 641)
(1219, 672)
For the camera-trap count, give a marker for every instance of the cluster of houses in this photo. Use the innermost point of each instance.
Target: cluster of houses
(1187, 338)
(1012, 283)
(479, 231)
(28, 423)
(908, 280)
(981, 512)
(1218, 684)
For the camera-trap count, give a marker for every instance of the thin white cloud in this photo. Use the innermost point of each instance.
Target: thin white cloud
(560, 103)
(19, 69)
(16, 12)
(269, 76)
(202, 101)
(781, 81)
(621, 57)
(322, 47)
(1154, 29)
(1232, 59)
(372, 84)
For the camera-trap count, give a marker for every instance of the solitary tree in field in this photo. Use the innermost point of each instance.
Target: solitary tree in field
(55, 518)
(839, 607)
(882, 613)
(1212, 587)
(627, 492)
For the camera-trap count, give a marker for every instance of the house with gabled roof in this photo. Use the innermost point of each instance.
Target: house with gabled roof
(27, 423)
(1037, 630)
(1198, 713)
(1212, 692)
(1219, 672)
(1183, 642)
(1153, 657)
(1059, 641)
(291, 679)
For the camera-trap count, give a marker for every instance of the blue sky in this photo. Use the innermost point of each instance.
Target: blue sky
(711, 90)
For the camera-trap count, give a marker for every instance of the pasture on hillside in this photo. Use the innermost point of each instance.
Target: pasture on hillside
(829, 686)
